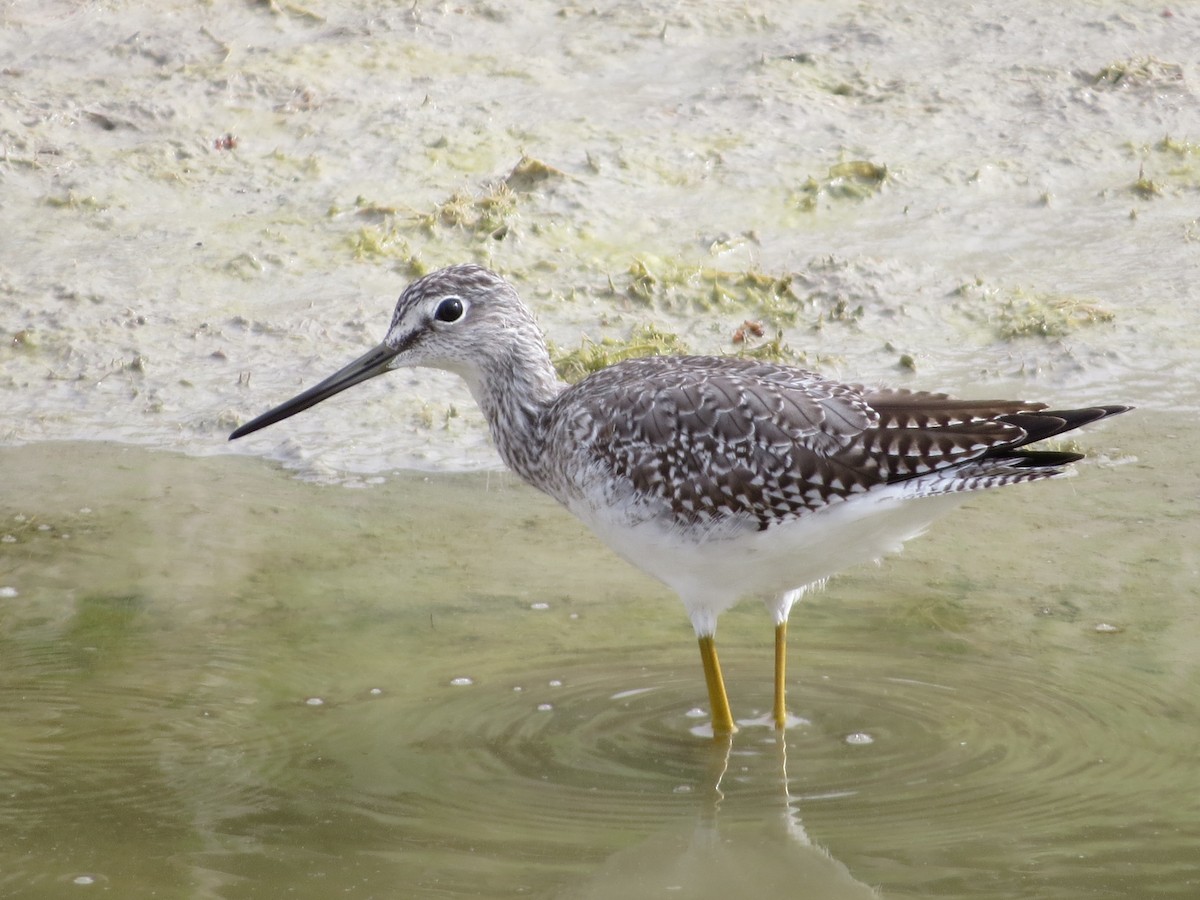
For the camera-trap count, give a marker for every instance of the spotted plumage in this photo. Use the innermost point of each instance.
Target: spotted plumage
(721, 477)
(715, 438)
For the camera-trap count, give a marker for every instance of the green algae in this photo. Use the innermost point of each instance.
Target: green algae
(1177, 148)
(25, 339)
(293, 10)
(1174, 164)
(683, 287)
(530, 173)
(1139, 71)
(592, 356)
(308, 166)
(1145, 187)
(1015, 314)
(773, 349)
(765, 305)
(463, 226)
(467, 217)
(74, 201)
(906, 361)
(485, 215)
(1047, 315)
(854, 180)
(646, 339)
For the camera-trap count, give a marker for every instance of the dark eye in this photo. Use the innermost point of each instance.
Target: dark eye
(449, 310)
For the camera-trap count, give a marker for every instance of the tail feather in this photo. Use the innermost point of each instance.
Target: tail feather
(1050, 422)
(1008, 463)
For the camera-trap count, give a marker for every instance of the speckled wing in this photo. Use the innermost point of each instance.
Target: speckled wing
(918, 432)
(944, 445)
(713, 439)
(717, 438)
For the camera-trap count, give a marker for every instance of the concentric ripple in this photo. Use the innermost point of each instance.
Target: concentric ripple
(972, 754)
(553, 743)
(124, 740)
(315, 721)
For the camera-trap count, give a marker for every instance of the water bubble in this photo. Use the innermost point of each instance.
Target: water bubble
(696, 713)
(1106, 628)
(539, 605)
(8, 591)
(554, 682)
(83, 879)
(859, 739)
(545, 707)
(375, 692)
(461, 681)
(315, 701)
(8, 539)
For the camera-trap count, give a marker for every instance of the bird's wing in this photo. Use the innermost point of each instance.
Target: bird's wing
(710, 439)
(917, 432)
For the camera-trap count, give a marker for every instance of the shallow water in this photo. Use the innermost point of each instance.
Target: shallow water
(220, 681)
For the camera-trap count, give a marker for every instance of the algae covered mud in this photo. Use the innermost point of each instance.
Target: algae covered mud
(219, 681)
(206, 207)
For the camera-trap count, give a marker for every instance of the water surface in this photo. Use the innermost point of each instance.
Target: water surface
(219, 681)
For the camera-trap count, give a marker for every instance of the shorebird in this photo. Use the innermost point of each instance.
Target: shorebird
(722, 477)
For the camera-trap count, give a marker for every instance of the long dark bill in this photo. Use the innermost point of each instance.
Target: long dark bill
(373, 362)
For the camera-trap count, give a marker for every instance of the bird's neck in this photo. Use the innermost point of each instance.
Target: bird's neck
(514, 394)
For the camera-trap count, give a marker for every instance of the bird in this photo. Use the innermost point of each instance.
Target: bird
(722, 477)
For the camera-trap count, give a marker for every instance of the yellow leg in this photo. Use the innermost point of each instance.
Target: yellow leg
(722, 718)
(779, 710)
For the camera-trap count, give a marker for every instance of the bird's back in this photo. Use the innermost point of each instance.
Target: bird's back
(711, 441)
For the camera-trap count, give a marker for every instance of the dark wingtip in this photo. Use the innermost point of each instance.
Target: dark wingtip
(1045, 423)
(1043, 459)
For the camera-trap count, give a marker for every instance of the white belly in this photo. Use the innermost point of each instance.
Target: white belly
(711, 571)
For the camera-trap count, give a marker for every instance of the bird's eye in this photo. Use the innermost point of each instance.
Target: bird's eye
(449, 310)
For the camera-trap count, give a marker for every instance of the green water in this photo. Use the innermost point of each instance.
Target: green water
(217, 681)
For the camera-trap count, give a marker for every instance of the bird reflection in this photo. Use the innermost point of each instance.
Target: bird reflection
(732, 848)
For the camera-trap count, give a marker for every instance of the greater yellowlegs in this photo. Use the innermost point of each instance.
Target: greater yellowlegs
(721, 477)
